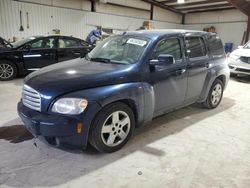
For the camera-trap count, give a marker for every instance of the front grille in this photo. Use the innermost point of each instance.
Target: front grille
(31, 98)
(245, 59)
(243, 70)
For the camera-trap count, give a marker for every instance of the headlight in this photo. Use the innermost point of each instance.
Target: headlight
(69, 106)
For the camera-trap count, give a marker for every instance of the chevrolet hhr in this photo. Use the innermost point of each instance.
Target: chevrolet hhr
(123, 83)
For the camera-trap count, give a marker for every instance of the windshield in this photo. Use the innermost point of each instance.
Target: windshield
(247, 46)
(23, 41)
(119, 49)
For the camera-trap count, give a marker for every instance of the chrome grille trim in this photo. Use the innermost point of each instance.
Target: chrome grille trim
(31, 98)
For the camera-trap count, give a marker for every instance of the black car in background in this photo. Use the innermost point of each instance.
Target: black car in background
(35, 52)
(4, 44)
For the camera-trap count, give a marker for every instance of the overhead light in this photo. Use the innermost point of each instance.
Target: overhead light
(180, 1)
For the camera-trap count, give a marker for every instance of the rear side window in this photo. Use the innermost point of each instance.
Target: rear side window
(196, 47)
(68, 43)
(215, 45)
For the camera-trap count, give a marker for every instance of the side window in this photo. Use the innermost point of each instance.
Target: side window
(215, 45)
(169, 46)
(196, 47)
(68, 43)
(44, 43)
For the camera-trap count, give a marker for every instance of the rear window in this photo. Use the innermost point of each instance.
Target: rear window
(215, 45)
(196, 47)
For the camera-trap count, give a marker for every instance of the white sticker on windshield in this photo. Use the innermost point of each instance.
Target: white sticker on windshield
(137, 42)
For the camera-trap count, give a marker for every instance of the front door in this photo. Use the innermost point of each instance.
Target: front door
(42, 52)
(169, 81)
(198, 66)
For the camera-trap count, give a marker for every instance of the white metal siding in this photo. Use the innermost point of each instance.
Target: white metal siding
(230, 24)
(43, 19)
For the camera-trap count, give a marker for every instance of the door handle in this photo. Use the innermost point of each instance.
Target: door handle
(180, 71)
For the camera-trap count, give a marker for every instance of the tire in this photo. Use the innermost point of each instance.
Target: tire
(107, 133)
(8, 71)
(215, 95)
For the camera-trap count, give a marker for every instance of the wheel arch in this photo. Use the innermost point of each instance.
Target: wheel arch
(221, 78)
(131, 104)
(209, 82)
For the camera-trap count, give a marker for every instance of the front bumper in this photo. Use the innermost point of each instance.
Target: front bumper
(56, 130)
(238, 67)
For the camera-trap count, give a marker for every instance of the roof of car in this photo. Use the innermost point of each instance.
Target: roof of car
(52, 35)
(160, 32)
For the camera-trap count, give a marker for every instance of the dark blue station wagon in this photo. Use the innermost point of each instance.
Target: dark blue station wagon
(121, 84)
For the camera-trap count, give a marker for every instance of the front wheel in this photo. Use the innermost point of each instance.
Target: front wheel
(112, 127)
(8, 71)
(215, 94)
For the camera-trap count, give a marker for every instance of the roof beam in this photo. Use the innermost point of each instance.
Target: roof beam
(166, 7)
(210, 10)
(205, 7)
(242, 5)
(198, 3)
(169, 1)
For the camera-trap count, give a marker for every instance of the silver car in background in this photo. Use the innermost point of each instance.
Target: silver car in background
(239, 60)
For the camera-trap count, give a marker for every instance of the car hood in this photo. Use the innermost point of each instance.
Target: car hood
(242, 52)
(78, 74)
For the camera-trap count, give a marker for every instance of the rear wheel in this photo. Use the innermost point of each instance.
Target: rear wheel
(8, 71)
(112, 128)
(215, 94)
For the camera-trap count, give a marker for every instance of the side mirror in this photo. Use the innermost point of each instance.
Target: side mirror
(240, 47)
(27, 47)
(163, 60)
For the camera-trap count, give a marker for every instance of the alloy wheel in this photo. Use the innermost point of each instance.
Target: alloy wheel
(115, 128)
(216, 94)
(6, 71)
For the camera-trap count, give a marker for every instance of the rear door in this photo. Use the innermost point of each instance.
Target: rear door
(71, 48)
(198, 66)
(42, 52)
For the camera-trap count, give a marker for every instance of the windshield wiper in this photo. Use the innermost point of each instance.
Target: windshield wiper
(100, 59)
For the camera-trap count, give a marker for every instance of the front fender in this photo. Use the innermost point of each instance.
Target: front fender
(140, 94)
(132, 92)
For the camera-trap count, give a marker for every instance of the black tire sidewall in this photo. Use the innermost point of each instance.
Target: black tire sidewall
(96, 127)
(14, 70)
(209, 98)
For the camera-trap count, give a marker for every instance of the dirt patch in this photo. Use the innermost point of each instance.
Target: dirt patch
(15, 133)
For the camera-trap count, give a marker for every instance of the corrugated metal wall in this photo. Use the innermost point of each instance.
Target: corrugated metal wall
(230, 24)
(43, 19)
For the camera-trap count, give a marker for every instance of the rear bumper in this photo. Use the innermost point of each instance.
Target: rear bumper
(56, 130)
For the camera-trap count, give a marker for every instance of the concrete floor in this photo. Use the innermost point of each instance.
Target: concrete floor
(191, 147)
